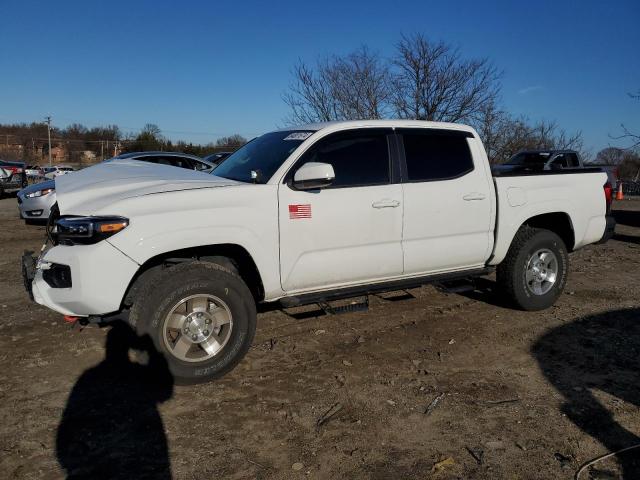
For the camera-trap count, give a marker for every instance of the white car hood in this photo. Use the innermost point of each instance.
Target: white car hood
(87, 190)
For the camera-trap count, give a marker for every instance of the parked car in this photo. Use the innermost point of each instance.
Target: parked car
(35, 202)
(217, 158)
(537, 160)
(4, 175)
(306, 215)
(175, 159)
(56, 171)
(16, 179)
(34, 171)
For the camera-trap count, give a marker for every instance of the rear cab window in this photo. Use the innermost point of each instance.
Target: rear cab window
(432, 154)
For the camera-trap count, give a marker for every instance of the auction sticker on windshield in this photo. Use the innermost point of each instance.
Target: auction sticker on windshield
(298, 136)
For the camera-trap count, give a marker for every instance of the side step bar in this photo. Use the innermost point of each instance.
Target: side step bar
(350, 292)
(361, 306)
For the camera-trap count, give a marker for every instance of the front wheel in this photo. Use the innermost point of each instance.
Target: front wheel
(201, 316)
(534, 272)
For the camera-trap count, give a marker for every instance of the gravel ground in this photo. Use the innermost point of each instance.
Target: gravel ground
(426, 384)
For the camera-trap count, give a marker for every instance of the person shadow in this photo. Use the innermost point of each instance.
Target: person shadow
(597, 353)
(111, 427)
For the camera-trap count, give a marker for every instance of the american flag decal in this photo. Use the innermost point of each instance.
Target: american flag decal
(299, 211)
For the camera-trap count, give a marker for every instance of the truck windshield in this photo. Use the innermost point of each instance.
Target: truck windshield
(531, 159)
(258, 160)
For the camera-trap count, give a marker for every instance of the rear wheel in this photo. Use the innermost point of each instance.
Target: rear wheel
(534, 272)
(201, 316)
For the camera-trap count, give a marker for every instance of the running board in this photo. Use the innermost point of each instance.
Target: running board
(361, 306)
(361, 290)
(458, 286)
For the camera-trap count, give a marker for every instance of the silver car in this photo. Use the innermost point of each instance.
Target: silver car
(35, 201)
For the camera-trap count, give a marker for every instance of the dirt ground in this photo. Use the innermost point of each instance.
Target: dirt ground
(520, 395)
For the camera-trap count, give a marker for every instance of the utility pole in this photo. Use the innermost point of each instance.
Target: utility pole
(101, 150)
(48, 119)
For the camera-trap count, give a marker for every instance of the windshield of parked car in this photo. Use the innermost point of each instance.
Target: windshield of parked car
(533, 159)
(259, 159)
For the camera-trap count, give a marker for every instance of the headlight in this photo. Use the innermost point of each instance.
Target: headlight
(87, 230)
(39, 193)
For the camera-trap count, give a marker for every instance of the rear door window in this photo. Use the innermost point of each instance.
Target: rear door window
(436, 155)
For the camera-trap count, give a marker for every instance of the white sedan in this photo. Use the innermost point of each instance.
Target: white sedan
(56, 171)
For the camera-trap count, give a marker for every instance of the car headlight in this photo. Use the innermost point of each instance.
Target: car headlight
(39, 193)
(87, 230)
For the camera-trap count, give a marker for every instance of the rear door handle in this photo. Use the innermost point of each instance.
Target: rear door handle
(474, 196)
(386, 203)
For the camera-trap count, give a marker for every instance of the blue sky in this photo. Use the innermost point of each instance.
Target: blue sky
(203, 69)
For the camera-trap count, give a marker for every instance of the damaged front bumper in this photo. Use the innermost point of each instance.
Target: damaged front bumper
(79, 280)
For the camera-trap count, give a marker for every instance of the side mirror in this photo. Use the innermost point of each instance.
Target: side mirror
(313, 175)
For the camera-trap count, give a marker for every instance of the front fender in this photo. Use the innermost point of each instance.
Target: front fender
(246, 217)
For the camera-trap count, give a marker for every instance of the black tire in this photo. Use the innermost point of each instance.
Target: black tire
(512, 272)
(156, 299)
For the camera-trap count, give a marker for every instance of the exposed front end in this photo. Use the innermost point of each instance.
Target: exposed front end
(78, 272)
(81, 280)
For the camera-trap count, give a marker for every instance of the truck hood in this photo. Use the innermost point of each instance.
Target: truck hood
(85, 191)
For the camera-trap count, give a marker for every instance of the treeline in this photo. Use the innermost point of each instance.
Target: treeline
(29, 142)
(151, 138)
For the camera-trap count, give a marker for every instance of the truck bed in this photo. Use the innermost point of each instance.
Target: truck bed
(576, 193)
(524, 171)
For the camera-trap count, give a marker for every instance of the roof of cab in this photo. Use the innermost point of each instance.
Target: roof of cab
(349, 124)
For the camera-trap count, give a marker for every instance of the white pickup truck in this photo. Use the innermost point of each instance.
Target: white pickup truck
(305, 215)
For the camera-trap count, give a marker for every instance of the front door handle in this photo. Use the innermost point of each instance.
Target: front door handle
(474, 196)
(386, 203)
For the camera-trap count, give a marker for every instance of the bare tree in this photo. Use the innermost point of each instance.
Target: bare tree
(627, 134)
(431, 81)
(310, 97)
(355, 86)
(425, 81)
(629, 167)
(504, 135)
(610, 156)
(360, 84)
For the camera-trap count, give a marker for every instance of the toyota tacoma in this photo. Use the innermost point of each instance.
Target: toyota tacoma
(305, 215)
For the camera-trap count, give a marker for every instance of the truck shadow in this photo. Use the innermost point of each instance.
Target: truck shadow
(486, 290)
(111, 427)
(630, 218)
(598, 352)
(626, 238)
